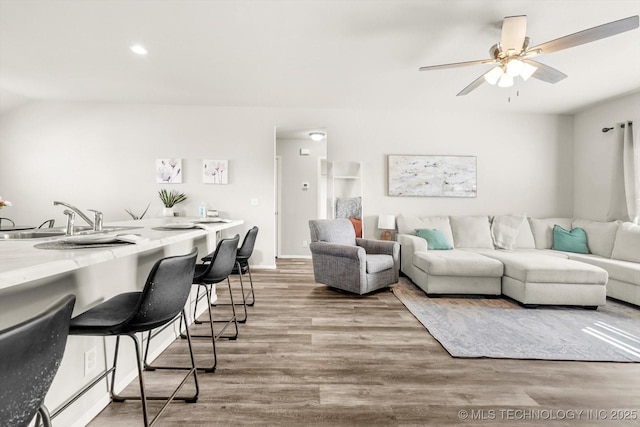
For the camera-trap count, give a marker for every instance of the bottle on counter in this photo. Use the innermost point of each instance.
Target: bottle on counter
(202, 210)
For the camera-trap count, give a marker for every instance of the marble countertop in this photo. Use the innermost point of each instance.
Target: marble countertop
(21, 262)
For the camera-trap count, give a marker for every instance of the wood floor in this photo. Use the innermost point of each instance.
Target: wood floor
(309, 355)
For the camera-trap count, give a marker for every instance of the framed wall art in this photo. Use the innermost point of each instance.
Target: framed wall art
(169, 171)
(215, 171)
(432, 176)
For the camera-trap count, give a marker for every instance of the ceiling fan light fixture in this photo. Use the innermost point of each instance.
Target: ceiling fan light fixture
(527, 70)
(493, 75)
(505, 81)
(514, 67)
(138, 49)
(317, 136)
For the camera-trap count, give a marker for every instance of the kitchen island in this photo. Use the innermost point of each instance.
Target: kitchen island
(31, 279)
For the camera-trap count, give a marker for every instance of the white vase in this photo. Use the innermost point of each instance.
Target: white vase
(167, 212)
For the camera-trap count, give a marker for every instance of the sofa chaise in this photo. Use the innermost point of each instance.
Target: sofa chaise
(515, 256)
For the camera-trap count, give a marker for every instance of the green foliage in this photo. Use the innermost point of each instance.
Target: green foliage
(171, 198)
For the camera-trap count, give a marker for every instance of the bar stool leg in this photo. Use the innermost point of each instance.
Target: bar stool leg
(143, 395)
(43, 414)
(244, 300)
(253, 296)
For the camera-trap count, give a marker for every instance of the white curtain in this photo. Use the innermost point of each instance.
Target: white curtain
(624, 201)
(631, 166)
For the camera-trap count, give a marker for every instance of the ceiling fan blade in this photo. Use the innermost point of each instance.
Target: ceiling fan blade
(458, 64)
(545, 73)
(473, 85)
(587, 36)
(514, 30)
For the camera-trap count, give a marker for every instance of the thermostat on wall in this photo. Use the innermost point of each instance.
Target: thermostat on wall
(305, 152)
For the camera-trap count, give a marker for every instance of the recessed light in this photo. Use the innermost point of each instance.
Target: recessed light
(138, 49)
(317, 136)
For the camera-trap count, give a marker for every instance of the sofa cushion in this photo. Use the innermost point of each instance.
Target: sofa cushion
(627, 244)
(409, 224)
(624, 271)
(377, 263)
(570, 241)
(600, 235)
(542, 230)
(541, 268)
(471, 231)
(435, 239)
(525, 238)
(505, 230)
(457, 263)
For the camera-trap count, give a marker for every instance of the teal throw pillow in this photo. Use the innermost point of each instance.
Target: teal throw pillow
(435, 239)
(570, 241)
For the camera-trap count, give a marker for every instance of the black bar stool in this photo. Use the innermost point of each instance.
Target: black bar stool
(244, 253)
(30, 354)
(241, 267)
(160, 302)
(218, 269)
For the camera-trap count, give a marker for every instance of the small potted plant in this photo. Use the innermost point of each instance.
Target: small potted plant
(170, 199)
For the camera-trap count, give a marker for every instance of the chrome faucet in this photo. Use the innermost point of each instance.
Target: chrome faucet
(71, 218)
(96, 225)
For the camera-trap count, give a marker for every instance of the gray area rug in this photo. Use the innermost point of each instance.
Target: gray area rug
(500, 328)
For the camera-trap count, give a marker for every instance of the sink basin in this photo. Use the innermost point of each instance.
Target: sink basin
(37, 234)
(106, 229)
(57, 232)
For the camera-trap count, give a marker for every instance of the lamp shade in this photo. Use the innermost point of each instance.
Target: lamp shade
(386, 222)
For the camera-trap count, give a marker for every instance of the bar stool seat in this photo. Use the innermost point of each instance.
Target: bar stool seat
(30, 354)
(161, 301)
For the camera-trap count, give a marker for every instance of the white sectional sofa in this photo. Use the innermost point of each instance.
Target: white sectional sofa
(513, 255)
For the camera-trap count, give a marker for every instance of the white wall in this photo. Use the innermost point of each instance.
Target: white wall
(103, 156)
(298, 205)
(593, 157)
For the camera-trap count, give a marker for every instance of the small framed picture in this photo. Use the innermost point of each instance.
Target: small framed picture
(215, 171)
(169, 171)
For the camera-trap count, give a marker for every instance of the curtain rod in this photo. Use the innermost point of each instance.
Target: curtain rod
(605, 130)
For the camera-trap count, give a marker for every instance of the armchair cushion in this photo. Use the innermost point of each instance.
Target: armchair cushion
(378, 263)
(333, 230)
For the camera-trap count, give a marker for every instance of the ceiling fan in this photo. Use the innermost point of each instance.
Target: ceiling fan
(513, 56)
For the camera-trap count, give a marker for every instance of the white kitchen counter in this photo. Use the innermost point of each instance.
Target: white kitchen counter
(31, 279)
(20, 262)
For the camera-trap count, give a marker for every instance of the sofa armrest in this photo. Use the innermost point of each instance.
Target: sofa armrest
(412, 243)
(409, 245)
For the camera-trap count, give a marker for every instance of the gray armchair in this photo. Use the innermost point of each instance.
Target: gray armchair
(342, 261)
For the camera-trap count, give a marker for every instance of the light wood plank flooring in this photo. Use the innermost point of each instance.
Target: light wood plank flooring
(310, 355)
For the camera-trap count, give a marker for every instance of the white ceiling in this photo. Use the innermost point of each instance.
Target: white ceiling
(303, 53)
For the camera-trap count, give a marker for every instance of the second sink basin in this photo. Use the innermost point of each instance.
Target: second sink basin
(57, 232)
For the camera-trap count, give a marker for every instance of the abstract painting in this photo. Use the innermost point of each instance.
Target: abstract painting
(215, 171)
(432, 176)
(169, 171)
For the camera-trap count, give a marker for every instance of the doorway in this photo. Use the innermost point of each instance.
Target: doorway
(300, 175)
